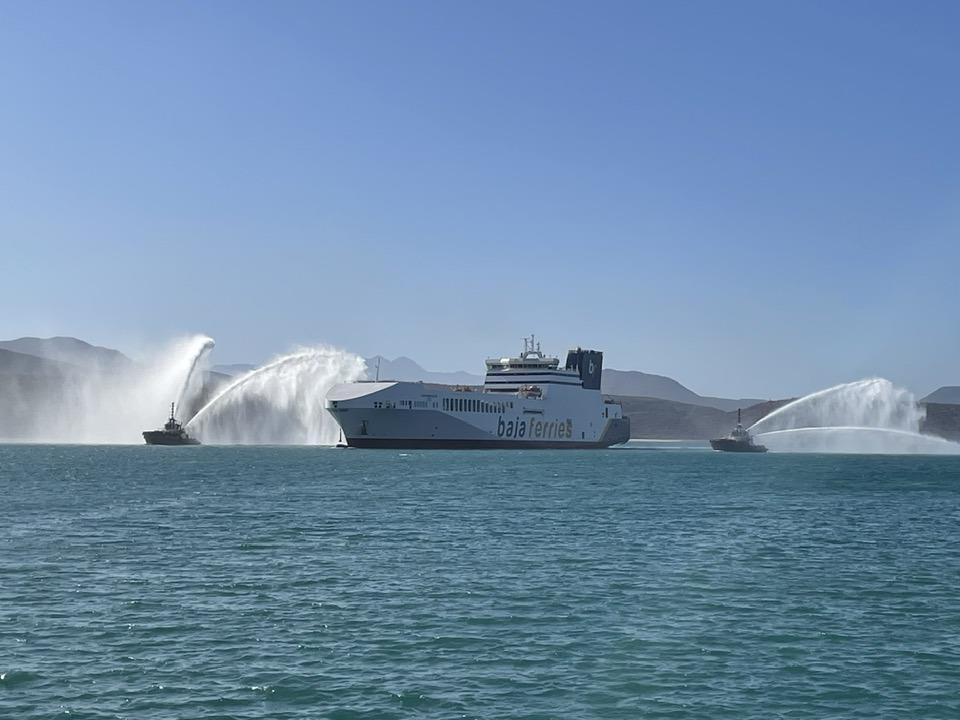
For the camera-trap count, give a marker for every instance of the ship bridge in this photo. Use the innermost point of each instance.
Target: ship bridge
(533, 367)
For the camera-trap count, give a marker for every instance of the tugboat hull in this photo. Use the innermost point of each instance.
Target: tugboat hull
(731, 445)
(172, 433)
(159, 437)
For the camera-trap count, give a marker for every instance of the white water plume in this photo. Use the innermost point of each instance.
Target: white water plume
(192, 386)
(867, 416)
(280, 403)
(859, 440)
(874, 402)
(112, 402)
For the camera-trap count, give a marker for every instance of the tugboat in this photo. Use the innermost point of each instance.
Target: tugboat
(172, 433)
(737, 441)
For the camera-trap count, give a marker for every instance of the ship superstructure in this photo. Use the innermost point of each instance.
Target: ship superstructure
(527, 401)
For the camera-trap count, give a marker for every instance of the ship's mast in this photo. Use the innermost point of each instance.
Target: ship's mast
(171, 410)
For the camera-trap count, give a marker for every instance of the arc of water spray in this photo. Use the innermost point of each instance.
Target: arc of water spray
(202, 352)
(244, 379)
(858, 440)
(857, 386)
(279, 403)
(865, 416)
(766, 419)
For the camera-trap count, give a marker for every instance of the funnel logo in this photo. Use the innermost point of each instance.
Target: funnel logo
(591, 367)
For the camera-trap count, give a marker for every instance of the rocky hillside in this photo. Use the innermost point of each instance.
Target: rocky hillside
(659, 419)
(69, 350)
(634, 383)
(38, 391)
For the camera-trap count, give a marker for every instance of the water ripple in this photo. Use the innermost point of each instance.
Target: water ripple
(305, 583)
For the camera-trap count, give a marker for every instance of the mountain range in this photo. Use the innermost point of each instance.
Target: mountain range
(631, 383)
(659, 419)
(68, 354)
(401, 368)
(21, 364)
(69, 350)
(659, 406)
(640, 384)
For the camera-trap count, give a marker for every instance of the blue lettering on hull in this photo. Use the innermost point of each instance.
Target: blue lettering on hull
(537, 429)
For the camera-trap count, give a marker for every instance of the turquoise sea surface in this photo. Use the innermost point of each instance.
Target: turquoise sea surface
(260, 582)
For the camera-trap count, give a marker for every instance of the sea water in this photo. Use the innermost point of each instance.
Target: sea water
(259, 582)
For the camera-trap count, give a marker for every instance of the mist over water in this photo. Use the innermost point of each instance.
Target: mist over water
(857, 440)
(279, 403)
(282, 402)
(114, 403)
(874, 402)
(871, 416)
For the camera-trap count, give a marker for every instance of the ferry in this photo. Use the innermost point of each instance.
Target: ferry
(528, 401)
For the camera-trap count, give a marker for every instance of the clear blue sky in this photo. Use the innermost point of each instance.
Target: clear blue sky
(754, 198)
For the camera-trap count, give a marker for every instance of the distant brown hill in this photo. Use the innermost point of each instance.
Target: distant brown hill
(35, 388)
(634, 383)
(18, 363)
(70, 350)
(659, 419)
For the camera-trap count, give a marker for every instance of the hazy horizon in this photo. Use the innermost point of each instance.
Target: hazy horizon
(755, 200)
(159, 350)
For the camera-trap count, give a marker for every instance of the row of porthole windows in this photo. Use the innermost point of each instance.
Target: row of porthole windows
(414, 404)
(471, 405)
(405, 404)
